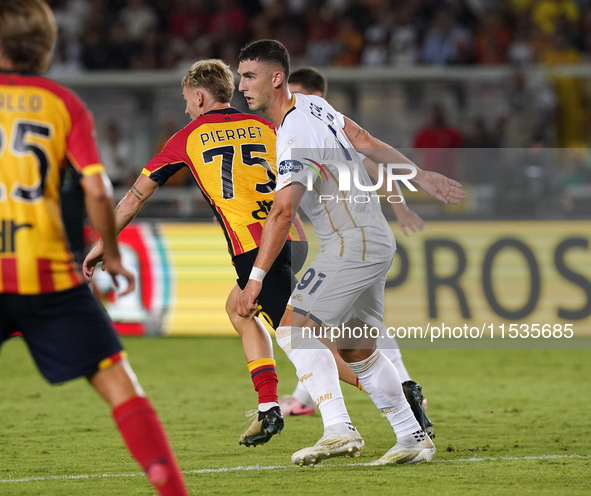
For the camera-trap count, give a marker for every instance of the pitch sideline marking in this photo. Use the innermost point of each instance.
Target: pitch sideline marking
(279, 467)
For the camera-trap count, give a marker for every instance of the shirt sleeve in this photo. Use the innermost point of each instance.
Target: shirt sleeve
(82, 149)
(168, 162)
(297, 154)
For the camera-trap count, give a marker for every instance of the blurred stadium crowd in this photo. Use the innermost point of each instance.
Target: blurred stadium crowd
(152, 34)
(531, 113)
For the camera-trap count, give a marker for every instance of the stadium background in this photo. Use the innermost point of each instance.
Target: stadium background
(507, 82)
(514, 83)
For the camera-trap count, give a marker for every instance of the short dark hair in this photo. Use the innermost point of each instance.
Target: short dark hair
(27, 33)
(310, 79)
(267, 51)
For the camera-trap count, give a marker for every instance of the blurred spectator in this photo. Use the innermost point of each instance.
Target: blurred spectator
(65, 56)
(479, 160)
(350, 44)
(376, 45)
(94, 54)
(187, 20)
(227, 22)
(491, 40)
(571, 114)
(137, 16)
(69, 16)
(120, 49)
(532, 106)
(322, 30)
(404, 38)
(116, 154)
(546, 13)
(438, 139)
(148, 54)
(446, 42)
(520, 51)
(479, 136)
(465, 11)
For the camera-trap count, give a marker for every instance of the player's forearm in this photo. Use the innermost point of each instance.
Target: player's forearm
(100, 214)
(126, 211)
(133, 201)
(275, 233)
(373, 148)
(382, 153)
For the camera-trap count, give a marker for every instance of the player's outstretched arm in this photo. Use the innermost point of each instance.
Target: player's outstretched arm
(437, 185)
(407, 218)
(125, 212)
(99, 205)
(275, 232)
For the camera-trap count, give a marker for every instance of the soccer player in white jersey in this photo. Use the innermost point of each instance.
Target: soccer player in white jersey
(357, 248)
(310, 81)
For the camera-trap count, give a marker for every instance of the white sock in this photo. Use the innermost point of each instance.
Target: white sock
(378, 377)
(300, 393)
(390, 350)
(263, 407)
(317, 371)
(340, 429)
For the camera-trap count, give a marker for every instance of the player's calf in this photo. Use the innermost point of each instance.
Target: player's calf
(140, 427)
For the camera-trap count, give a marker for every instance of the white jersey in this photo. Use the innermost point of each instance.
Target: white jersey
(349, 223)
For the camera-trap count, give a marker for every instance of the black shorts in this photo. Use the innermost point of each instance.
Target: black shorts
(279, 281)
(67, 332)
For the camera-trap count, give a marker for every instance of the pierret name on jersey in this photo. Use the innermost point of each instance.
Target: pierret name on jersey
(252, 132)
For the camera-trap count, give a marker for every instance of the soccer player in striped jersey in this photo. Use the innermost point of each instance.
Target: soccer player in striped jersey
(45, 128)
(231, 156)
(345, 283)
(310, 81)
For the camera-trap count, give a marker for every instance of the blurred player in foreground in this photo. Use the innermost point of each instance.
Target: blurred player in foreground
(232, 158)
(357, 248)
(43, 128)
(309, 81)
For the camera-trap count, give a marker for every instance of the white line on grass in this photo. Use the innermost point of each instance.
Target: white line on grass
(280, 467)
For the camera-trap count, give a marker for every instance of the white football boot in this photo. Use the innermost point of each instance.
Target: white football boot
(415, 448)
(330, 446)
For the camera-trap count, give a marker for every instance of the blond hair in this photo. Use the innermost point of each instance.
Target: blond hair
(212, 75)
(27, 34)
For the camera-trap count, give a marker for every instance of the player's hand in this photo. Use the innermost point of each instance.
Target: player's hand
(246, 304)
(440, 187)
(94, 257)
(407, 219)
(115, 268)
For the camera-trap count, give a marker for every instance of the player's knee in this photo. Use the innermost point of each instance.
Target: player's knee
(117, 383)
(354, 355)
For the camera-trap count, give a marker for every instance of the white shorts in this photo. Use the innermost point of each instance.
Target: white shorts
(334, 290)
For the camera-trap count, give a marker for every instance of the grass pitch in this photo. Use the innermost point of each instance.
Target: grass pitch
(508, 422)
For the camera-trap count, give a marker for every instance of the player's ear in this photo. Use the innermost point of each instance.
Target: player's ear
(200, 98)
(277, 79)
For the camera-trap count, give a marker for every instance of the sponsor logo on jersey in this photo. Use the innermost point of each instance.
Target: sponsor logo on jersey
(287, 166)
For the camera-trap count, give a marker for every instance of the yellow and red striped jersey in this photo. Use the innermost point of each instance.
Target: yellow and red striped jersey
(43, 126)
(232, 157)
